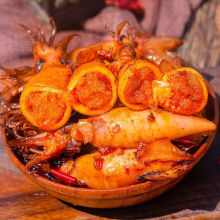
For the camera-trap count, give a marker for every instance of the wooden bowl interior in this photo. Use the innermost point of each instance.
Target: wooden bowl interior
(120, 197)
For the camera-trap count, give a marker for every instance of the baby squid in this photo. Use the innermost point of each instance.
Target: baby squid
(154, 161)
(44, 100)
(54, 144)
(121, 127)
(125, 128)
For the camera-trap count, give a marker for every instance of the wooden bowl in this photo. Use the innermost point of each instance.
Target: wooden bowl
(120, 197)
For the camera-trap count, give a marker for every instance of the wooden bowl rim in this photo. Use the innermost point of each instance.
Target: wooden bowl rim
(129, 191)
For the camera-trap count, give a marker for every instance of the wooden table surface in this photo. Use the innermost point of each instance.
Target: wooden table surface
(197, 196)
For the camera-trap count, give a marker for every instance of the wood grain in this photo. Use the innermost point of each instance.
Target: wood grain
(20, 198)
(201, 45)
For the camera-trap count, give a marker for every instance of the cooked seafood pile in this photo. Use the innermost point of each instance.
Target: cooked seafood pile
(108, 115)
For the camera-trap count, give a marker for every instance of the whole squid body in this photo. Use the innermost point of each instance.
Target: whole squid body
(120, 127)
(158, 160)
(44, 101)
(125, 128)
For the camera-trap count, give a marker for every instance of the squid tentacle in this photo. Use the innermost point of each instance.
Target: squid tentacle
(53, 33)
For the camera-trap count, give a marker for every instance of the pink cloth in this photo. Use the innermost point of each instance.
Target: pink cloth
(163, 17)
(112, 16)
(168, 17)
(15, 44)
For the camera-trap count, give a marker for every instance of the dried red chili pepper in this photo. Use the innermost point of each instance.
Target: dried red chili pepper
(106, 150)
(186, 144)
(98, 162)
(140, 149)
(64, 178)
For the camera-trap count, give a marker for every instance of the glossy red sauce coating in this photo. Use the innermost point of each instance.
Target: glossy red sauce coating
(106, 150)
(139, 86)
(47, 108)
(93, 90)
(115, 66)
(85, 56)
